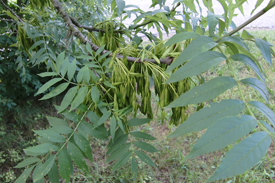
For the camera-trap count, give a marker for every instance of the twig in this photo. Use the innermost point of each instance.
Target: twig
(12, 12)
(263, 11)
(94, 47)
(7, 20)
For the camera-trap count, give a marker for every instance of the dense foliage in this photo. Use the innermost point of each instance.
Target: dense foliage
(107, 74)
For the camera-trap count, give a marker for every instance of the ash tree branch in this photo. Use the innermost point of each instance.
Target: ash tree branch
(12, 12)
(72, 27)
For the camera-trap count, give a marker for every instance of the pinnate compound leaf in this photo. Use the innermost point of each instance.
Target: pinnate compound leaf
(118, 152)
(196, 47)
(44, 168)
(40, 149)
(248, 61)
(223, 133)
(257, 85)
(24, 176)
(122, 160)
(243, 156)
(265, 110)
(27, 161)
(208, 116)
(265, 49)
(138, 121)
(204, 92)
(64, 164)
(53, 173)
(81, 94)
(142, 135)
(197, 65)
(181, 37)
(145, 146)
(48, 85)
(84, 145)
(59, 89)
(68, 98)
(143, 157)
(50, 135)
(77, 157)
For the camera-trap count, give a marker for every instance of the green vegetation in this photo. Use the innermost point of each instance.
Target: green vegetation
(197, 107)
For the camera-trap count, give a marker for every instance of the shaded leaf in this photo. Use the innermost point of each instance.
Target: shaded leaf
(77, 157)
(113, 127)
(24, 176)
(71, 70)
(122, 160)
(95, 94)
(142, 135)
(204, 92)
(64, 165)
(46, 74)
(81, 95)
(84, 145)
(26, 162)
(59, 89)
(50, 135)
(243, 156)
(118, 152)
(103, 119)
(44, 168)
(265, 49)
(68, 98)
(40, 149)
(48, 85)
(53, 174)
(235, 40)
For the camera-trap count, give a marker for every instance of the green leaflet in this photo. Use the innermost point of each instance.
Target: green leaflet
(56, 122)
(68, 98)
(93, 117)
(81, 95)
(197, 65)
(265, 110)
(199, 45)
(44, 168)
(84, 145)
(54, 174)
(134, 167)
(265, 49)
(27, 161)
(235, 40)
(71, 70)
(23, 177)
(48, 85)
(50, 135)
(95, 94)
(103, 119)
(117, 143)
(181, 37)
(65, 165)
(259, 2)
(59, 61)
(137, 121)
(40, 149)
(113, 127)
(46, 74)
(122, 160)
(208, 116)
(98, 133)
(247, 60)
(59, 89)
(142, 135)
(64, 67)
(118, 152)
(222, 133)
(99, 50)
(204, 92)
(212, 22)
(77, 157)
(143, 157)
(145, 146)
(243, 156)
(257, 85)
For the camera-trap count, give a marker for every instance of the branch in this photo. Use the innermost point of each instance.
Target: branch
(91, 29)
(12, 11)
(263, 11)
(7, 20)
(84, 40)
